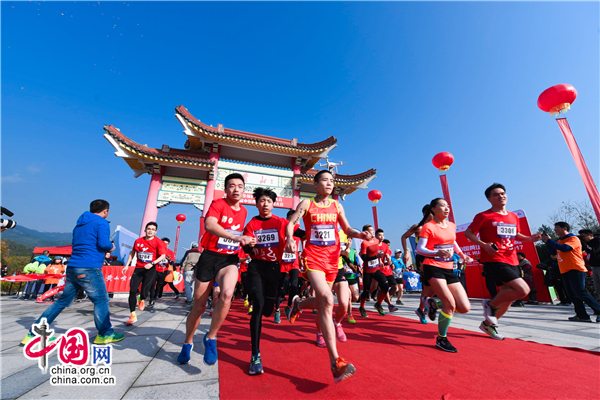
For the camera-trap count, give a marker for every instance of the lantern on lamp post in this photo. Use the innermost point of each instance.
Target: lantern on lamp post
(179, 218)
(557, 100)
(442, 161)
(375, 196)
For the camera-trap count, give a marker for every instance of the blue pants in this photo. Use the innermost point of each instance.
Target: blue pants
(574, 282)
(92, 281)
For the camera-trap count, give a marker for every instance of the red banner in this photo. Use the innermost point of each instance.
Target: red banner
(446, 193)
(30, 277)
(476, 282)
(116, 282)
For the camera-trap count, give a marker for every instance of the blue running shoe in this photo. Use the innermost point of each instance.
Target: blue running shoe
(185, 355)
(277, 319)
(256, 364)
(421, 316)
(210, 350)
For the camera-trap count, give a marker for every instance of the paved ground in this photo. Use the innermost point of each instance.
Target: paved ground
(144, 362)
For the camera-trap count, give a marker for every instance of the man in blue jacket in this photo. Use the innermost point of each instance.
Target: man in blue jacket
(91, 240)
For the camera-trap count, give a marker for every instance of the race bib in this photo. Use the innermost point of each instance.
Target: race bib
(144, 256)
(373, 263)
(266, 238)
(506, 231)
(447, 247)
(322, 235)
(288, 257)
(228, 244)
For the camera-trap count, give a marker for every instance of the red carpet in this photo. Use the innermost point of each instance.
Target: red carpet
(396, 358)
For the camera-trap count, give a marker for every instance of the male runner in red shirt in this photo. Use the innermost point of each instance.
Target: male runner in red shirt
(321, 255)
(372, 252)
(498, 229)
(224, 223)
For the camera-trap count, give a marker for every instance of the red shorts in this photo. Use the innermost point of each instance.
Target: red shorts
(330, 270)
(287, 267)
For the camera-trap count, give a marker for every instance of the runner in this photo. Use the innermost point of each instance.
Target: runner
(264, 270)
(224, 223)
(150, 251)
(498, 229)
(399, 274)
(162, 270)
(321, 254)
(386, 268)
(372, 254)
(437, 241)
(352, 272)
(415, 230)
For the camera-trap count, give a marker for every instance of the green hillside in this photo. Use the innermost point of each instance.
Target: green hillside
(33, 238)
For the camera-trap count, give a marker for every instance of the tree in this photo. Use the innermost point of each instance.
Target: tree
(579, 215)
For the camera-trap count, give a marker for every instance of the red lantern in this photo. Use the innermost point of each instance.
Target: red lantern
(180, 218)
(374, 196)
(557, 99)
(442, 161)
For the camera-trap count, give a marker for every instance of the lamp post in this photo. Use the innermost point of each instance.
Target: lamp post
(442, 161)
(557, 100)
(180, 218)
(375, 196)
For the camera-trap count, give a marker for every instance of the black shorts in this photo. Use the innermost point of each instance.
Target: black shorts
(391, 281)
(263, 278)
(210, 263)
(501, 272)
(352, 281)
(439, 273)
(341, 276)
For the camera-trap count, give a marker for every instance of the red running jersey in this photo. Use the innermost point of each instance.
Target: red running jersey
(231, 220)
(322, 238)
(501, 230)
(370, 249)
(439, 238)
(270, 237)
(148, 251)
(164, 264)
(290, 260)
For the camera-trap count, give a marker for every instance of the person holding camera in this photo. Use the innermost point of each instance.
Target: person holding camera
(91, 239)
(498, 229)
(591, 244)
(572, 269)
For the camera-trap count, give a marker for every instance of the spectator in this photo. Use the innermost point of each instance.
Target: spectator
(91, 239)
(591, 245)
(56, 267)
(3, 271)
(572, 268)
(188, 262)
(36, 267)
(527, 269)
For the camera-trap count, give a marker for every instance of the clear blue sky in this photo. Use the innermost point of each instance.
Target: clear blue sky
(396, 83)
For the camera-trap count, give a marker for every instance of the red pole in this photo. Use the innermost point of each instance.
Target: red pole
(376, 222)
(176, 242)
(446, 193)
(588, 181)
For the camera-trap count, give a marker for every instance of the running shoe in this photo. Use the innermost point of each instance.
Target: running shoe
(256, 365)
(391, 308)
(379, 309)
(351, 319)
(113, 337)
(314, 311)
(339, 332)
(186, 353)
(491, 331)
(294, 311)
(132, 319)
(249, 311)
(277, 319)
(399, 303)
(363, 312)
(246, 303)
(421, 316)
(444, 344)
(432, 312)
(577, 319)
(30, 337)
(210, 350)
(151, 303)
(342, 369)
(176, 296)
(142, 305)
(489, 313)
(320, 340)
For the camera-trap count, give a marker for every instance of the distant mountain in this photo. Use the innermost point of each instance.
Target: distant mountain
(33, 238)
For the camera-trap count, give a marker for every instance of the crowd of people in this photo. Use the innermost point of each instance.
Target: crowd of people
(262, 259)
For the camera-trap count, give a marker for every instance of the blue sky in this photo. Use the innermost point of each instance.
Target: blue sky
(396, 83)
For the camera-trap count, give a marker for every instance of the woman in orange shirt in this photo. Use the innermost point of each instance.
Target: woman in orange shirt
(437, 242)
